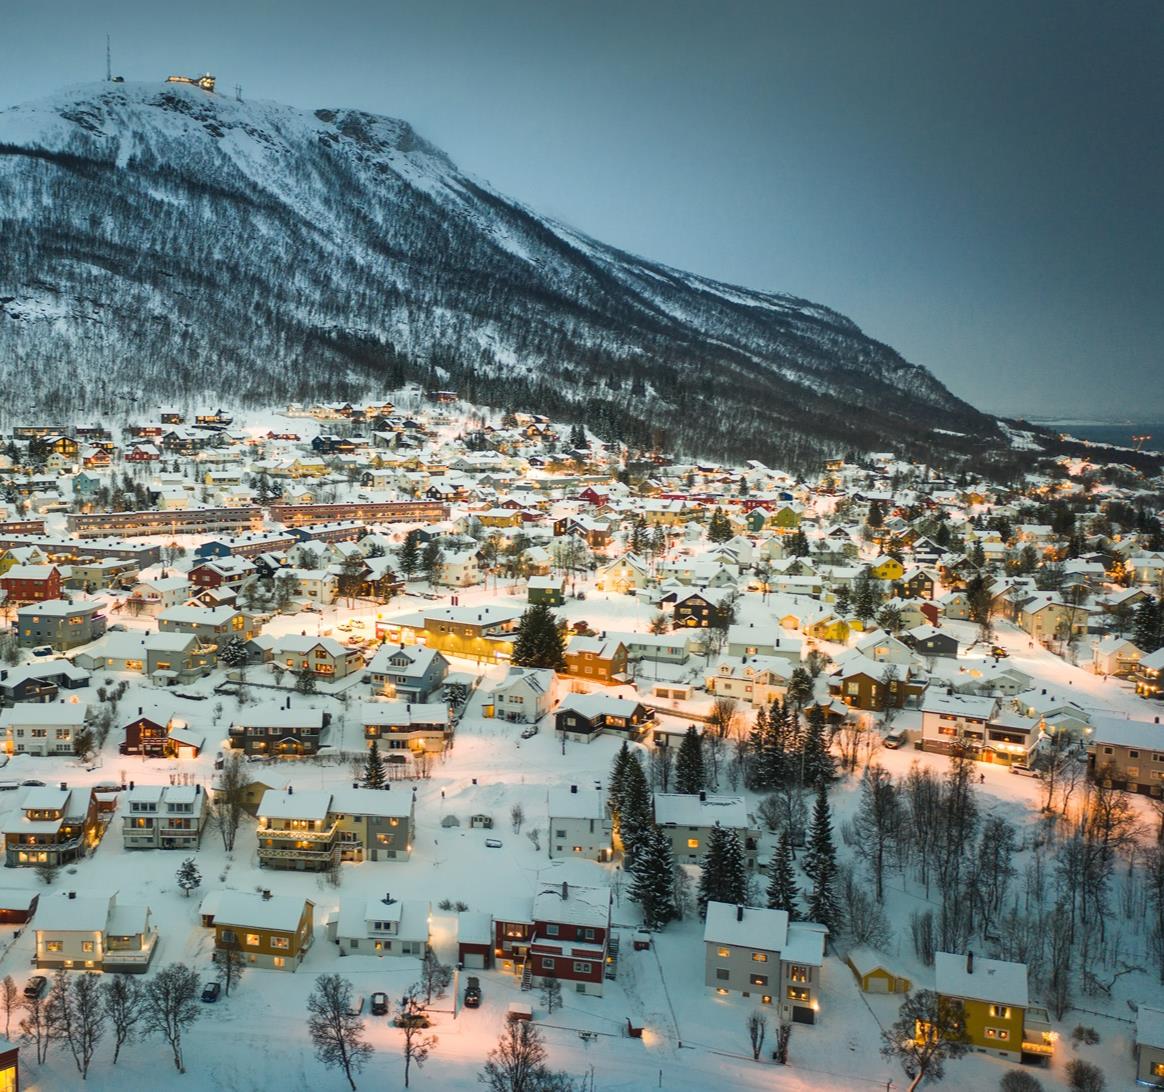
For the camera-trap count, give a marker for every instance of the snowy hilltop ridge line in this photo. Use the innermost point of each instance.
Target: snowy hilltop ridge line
(162, 237)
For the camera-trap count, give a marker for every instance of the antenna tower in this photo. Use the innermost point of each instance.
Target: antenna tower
(238, 91)
(108, 62)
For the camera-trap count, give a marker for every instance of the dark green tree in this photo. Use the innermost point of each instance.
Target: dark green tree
(652, 883)
(723, 876)
(816, 760)
(636, 817)
(374, 768)
(719, 528)
(539, 640)
(410, 554)
(689, 772)
(782, 890)
(820, 865)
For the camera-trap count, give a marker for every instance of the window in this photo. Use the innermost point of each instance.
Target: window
(797, 993)
(722, 974)
(1000, 1034)
(227, 936)
(759, 957)
(692, 843)
(759, 980)
(282, 943)
(559, 834)
(1158, 1069)
(1000, 1012)
(723, 953)
(766, 999)
(797, 973)
(86, 946)
(551, 930)
(547, 964)
(52, 946)
(252, 940)
(581, 968)
(279, 962)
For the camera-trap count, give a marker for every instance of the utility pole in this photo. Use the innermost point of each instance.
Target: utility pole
(238, 91)
(108, 62)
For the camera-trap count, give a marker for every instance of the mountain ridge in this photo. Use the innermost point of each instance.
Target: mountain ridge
(161, 232)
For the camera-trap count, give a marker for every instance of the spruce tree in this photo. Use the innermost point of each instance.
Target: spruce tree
(689, 774)
(817, 762)
(637, 814)
(374, 768)
(539, 641)
(820, 865)
(1147, 635)
(719, 528)
(865, 596)
(652, 879)
(616, 787)
(782, 890)
(410, 554)
(723, 876)
(755, 772)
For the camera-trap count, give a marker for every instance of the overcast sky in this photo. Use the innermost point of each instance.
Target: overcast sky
(980, 185)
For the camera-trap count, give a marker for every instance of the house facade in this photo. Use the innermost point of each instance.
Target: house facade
(164, 817)
(273, 932)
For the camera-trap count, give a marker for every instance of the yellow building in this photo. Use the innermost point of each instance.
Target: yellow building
(874, 973)
(886, 568)
(994, 996)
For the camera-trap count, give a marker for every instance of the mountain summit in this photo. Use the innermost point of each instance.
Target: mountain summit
(164, 239)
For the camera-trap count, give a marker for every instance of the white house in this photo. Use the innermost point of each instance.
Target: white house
(579, 824)
(381, 927)
(524, 695)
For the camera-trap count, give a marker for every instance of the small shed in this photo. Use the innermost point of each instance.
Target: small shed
(519, 1010)
(474, 940)
(875, 974)
(481, 822)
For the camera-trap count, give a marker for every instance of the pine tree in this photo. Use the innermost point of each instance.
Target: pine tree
(1147, 635)
(817, 762)
(820, 865)
(640, 536)
(652, 880)
(723, 876)
(432, 562)
(616, 787)
(689, 773)
(410, 554)
(782, 891)
(719, 528)
(637, 814)
(234, 653)
(539, 640)
(374, 768)
(188, 876)
(865, 596)
(755, 772)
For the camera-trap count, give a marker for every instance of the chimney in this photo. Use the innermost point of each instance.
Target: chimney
(290, 790)
(72, 894)
(703, 796)
(131, 786)
(266, 894)
(969, 962)
(574, 789)
(565, 890)
(64, 785)
(1044, 691)
(739, 911)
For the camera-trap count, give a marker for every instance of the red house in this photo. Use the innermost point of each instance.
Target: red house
(591, 496)
(570, 935)
(143, 453)
(31, 583)
(229, 571)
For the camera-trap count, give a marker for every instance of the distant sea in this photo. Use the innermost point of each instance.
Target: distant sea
(1107, 432)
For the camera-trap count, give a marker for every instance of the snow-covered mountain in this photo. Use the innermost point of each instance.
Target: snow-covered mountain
(161, 239)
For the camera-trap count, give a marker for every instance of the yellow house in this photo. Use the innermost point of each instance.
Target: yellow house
(874, 974)
(886, 568)
(999, 1016)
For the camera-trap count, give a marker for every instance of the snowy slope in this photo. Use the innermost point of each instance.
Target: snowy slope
(160, 236)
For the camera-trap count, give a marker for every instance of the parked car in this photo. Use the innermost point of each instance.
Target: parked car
(415, 1020)
(379, 1004)
(35, 986)
(211, 991)
(357, 1005)
(32, 783)
(492, 843)
(895, 738)
(1023, 770)
(43, 650)
(642, 940)
(530, 732)
(473, 992)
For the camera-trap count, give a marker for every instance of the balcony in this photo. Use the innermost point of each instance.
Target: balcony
(297, 835)
(270, 852)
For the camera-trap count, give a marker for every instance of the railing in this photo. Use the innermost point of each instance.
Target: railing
(1039, 1047)
(297, 854)
(297, 835)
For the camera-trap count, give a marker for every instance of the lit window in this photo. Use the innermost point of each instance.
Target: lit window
(1000, 1012)
(759, 957)
(282, 943)
(252, 939)
(723, 953)
(796, 994)
(692, 843)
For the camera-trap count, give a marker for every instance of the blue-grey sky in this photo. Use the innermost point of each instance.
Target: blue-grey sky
(981, 185)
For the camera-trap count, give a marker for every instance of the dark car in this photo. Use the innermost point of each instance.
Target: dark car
(211, 991)
(473, 993)
(379, 1004)
(35, 986)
